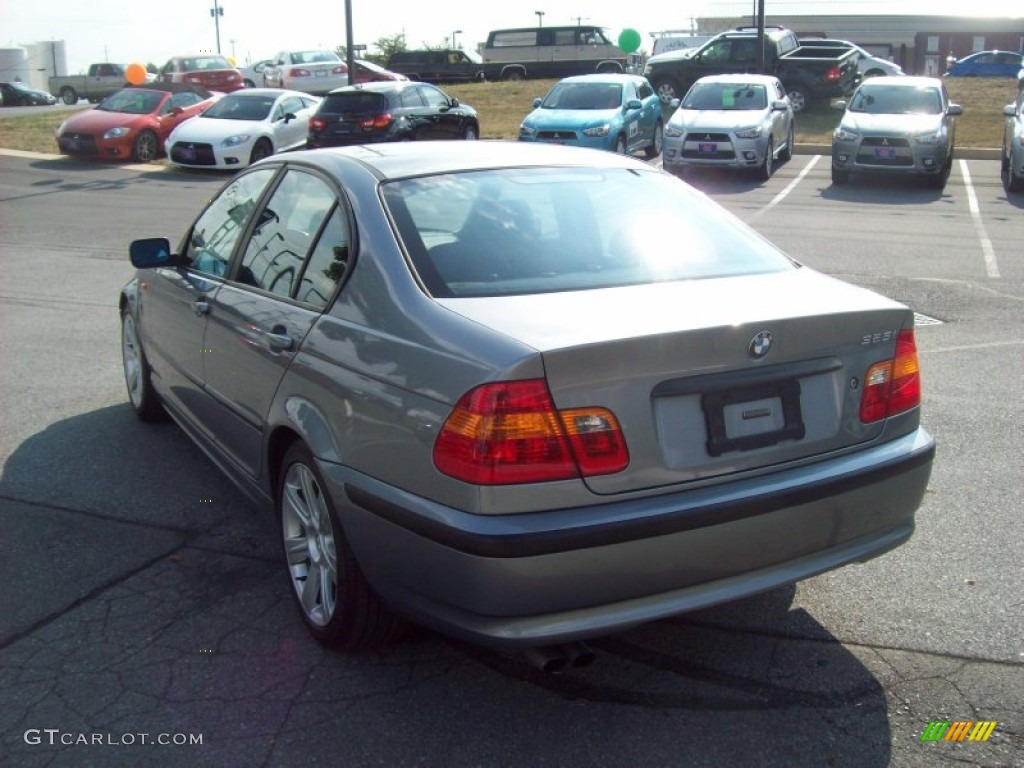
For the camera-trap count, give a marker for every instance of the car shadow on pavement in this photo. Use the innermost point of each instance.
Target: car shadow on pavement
(879, 189)
(163, 607)
(125, 175)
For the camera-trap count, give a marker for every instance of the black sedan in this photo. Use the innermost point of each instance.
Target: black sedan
(390, 111)
(17, 94)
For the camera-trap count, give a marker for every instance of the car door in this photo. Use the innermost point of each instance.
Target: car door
(650, 112)
(176, 110)
(175, 302)
(290, 132)
(444, 121)
(283, 277)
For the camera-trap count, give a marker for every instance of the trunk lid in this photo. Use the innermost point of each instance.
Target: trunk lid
(709, 377)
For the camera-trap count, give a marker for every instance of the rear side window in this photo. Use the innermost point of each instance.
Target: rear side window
(512, 38)
(285, 233)
(544, 230)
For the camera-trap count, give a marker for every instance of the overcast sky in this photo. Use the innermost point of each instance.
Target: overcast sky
(147, 31)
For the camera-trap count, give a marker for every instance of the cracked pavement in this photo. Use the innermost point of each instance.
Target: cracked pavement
(134, 608)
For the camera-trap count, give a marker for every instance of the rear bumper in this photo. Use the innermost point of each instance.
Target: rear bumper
(542, 578)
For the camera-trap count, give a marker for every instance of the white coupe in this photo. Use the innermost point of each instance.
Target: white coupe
(241, 128)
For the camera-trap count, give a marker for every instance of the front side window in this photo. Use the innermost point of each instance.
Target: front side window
(216, 232)
(545, 230)
(433, 97)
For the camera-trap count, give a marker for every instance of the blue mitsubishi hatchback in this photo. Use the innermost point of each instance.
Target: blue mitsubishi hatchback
(605, 111)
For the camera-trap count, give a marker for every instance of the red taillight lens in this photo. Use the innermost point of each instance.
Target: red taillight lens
(339, 70)
(510, 432)
(297, 72)
(317, 124)
(892, 386)
(377, 122)
(833, 73)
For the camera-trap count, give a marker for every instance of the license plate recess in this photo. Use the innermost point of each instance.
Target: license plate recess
(756, 416)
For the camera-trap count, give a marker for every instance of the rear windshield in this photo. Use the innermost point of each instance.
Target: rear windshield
(354, 103)
(544, 230)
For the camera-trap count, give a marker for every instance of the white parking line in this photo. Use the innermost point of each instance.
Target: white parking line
(991, 267)
(789, 188)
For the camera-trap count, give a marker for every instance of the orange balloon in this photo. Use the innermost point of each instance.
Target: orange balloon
(135, 73)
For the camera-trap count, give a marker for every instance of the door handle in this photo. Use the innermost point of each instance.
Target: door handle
(279, 340)
(201, 307)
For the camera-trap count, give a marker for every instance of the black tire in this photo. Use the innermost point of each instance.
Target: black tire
(263, 148)
(654, 148)
(68, 95)
(344, 612)
(798, 98)
(146, 147)
(144, 401)
(939, 180)
(620, 144)
(840, 176)
(512, 75)
(1011, 180)
(667, 89)
(787, 153)
(470, 133)
(768, 165)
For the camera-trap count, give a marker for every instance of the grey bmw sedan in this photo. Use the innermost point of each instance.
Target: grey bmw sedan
(484, 388)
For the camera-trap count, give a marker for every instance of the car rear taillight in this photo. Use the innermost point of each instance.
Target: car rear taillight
(298, 72)
(343, 69)
(317, 123)
(377, 122)
(892, 386)
(833, 73)
(510, 432)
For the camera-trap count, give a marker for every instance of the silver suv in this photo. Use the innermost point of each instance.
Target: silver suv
(902, 125)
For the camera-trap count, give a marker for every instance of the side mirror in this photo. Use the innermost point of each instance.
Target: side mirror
(634, 104)
(1010, 110)
(455, 103)
(954, 109)
(780, 106)
(674, 104)
(288, 117)
(537, 103)
(840, 104)
(151, 252)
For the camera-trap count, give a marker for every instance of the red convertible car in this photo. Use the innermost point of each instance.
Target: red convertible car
(132, 123)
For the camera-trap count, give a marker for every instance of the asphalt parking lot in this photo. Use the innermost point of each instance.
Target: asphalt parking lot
(146, 618)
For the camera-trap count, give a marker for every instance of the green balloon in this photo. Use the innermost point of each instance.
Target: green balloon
(629, 40)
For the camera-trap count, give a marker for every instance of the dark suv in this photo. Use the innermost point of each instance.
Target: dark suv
(390, 111)
(448, 66)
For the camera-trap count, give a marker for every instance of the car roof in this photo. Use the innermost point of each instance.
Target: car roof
(395, 160)
(602, 77)
(739, 78)
(906, 81)
(377, 86)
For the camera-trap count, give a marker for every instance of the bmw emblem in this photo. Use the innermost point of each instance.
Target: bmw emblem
(760, 345)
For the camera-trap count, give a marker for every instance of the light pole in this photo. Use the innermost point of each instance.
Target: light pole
(454, 33)
(217, 12)
(540, 18)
